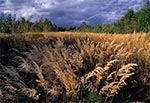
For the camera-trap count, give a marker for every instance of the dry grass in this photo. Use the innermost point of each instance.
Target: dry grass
(56, 67)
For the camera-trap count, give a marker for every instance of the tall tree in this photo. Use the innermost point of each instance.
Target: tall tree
(48, 26)
(147, 5)
(126, 22)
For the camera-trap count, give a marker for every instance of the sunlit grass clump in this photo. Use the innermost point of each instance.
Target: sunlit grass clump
(74, 67)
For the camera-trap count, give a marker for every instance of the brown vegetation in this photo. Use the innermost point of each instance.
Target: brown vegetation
(73, 67)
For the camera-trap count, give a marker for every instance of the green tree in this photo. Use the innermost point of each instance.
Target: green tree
(147, 5)
(83, 27)
(22, 25)
(7, 24)
(47, 25)
(127, 22)
(2, 19)
(144, 20)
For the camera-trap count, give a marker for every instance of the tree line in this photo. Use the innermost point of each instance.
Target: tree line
(9, 24)
(131, 22)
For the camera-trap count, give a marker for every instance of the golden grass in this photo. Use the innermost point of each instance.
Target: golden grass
(66, 66)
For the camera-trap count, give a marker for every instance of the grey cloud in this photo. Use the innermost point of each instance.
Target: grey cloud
(71, 12)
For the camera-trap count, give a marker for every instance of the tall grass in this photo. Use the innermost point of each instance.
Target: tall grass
(69, 67)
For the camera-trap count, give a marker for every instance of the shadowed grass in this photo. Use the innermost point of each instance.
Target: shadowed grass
(68, 67)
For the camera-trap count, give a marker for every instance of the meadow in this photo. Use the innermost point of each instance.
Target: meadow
(73, 67)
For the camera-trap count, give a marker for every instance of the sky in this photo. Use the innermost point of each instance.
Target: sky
(70, 12)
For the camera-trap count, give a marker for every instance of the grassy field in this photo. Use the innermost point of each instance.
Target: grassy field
(66, 67)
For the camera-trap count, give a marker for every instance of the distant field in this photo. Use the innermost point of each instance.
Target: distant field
(74, 67)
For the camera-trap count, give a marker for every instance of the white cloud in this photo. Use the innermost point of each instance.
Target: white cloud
(45, 4)
(71, 12)
(80, 0)
(8, 7)
(27, 11)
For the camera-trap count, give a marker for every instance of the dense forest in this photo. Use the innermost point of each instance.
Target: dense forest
(132, 21)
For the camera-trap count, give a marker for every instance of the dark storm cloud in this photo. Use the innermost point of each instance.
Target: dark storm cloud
(71, 12)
